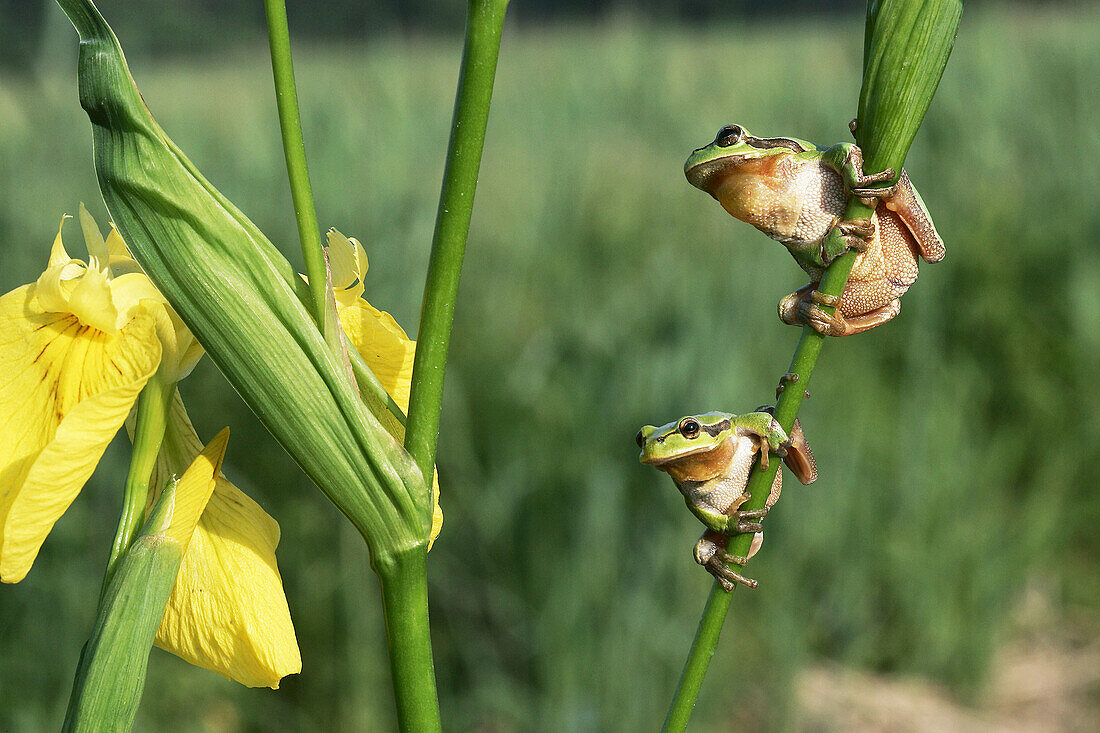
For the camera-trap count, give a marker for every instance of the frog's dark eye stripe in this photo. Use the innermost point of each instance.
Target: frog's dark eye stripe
(641, 439)
(767, 143)
(713, 430)
(689, 428)
(729, 135)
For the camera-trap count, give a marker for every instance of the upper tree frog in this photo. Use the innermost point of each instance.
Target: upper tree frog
(796, 192)
(709, 457)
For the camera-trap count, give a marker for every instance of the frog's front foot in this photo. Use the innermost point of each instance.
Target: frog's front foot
(854, 234)
(788, 378)
(738, 525)
(803, 307)
(858, 183)
(710, 552)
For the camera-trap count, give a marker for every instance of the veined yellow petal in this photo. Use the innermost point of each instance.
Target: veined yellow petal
(384, 345)
(227, 612)
(195, 487)
(68, 286)
(389, 353)
(65, 389)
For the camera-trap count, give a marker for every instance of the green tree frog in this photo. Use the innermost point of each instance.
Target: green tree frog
(709, 458)
(796, 192)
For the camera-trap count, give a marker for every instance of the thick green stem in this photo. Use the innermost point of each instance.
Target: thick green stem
(906, 49)
(484, 24)
(294, 149)
(405, 601)
(404, 577)
(151, 420)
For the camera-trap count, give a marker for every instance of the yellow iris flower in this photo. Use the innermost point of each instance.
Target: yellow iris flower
(378, 338)
(76, 349)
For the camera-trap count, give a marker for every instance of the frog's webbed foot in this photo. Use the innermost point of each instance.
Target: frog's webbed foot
(858, 183)
(710, 552)
(855, 234)
(802, 307)
(738, 525)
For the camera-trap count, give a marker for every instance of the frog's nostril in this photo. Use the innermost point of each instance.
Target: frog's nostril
(728, 135)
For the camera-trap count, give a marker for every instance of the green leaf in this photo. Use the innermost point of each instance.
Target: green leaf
(111, 674)
(905, 51)
(244, 302)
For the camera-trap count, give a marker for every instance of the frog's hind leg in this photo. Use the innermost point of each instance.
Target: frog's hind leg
(867, 321)
(803, 307)
(909, 207)
(710, 552)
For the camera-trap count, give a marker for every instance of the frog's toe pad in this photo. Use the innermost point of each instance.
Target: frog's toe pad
(728, 578)
(824, 323)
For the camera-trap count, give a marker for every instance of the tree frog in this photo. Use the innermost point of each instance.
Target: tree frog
(796, 192)
(709, 458)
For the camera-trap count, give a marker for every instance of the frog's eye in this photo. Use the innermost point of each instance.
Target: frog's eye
(640, 439)
(729, 135)
(689, 428)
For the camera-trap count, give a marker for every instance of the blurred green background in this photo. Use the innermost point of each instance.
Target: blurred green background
(956, 515)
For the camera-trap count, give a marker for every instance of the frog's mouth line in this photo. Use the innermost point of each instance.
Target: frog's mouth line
(704, 448)
(708, 175)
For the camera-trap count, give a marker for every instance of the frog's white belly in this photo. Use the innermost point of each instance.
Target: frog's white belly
(810, 201)
(725, 493)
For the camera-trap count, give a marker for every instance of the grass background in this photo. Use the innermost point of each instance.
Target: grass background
(959, 446)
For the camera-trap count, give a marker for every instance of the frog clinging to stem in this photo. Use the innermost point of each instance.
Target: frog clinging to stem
(709, 458)
(796, 193)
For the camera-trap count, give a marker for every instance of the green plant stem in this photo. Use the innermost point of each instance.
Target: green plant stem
(906, 48)
(150, 422)
(718, 602)
(484, 24)
(405, 603)
(294, 149)
(404, 576)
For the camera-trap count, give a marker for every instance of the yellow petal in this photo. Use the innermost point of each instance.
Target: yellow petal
(65, 389)
(347, 264)
(58, 256)
(67, 286)
(195, 487)
(384, 345)
(116, 248)
(90, 300)
(437, 511)
(389, 353)
(228, 612)
(93, 239)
